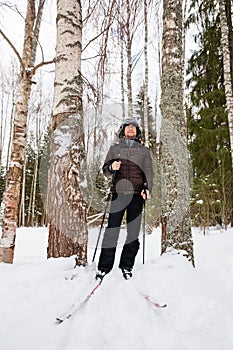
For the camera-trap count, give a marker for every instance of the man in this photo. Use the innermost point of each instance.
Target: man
(130, 164)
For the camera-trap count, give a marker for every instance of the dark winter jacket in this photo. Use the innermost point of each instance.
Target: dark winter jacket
(136, 170)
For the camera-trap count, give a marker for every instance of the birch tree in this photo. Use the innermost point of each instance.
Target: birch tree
(14, 174)
(129, 59)
(128, 21)
(176, 226)
(8, 92)
(145, 111)
(227, 69)
(67, 195)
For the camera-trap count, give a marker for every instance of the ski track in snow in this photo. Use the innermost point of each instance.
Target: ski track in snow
(34, 291)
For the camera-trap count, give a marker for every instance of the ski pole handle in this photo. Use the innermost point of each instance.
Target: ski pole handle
(145, 193)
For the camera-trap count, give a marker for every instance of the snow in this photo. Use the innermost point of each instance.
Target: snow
(63, 142)
(34, 291)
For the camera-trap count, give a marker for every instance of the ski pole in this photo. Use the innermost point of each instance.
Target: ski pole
(101, 227)
(105, 212)
(144, 226)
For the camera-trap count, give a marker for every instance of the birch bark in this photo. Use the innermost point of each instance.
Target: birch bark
(67, 192)
(129, 60)
(145, 104)
(14, 174)
(176, 225)
(227, 70)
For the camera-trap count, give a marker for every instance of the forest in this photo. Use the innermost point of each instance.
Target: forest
(72, 72)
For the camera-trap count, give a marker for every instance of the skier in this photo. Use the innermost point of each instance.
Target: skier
(130, 164)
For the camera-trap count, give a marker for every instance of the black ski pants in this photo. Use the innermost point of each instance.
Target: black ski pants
(132, 204)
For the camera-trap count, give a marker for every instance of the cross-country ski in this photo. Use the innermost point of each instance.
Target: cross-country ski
(77, 306)
(148, 298)
(33, 293)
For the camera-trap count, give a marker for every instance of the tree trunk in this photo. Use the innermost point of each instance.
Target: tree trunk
(9, 101)
(21, 219)
(1, 117)
(230, 30)
(36, 31)
(145, 104)
(34, 188)
(14, 174)
(67, 192)
(10, 135)
(227, 70)
(129, 60)
(122, 74)
(176, 225)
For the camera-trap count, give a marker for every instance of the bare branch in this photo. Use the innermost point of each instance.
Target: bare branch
(6, 5)
(91, 58)
(96, 37)
(11, 7)
(88, 84)
(34, 69)
(89, 14)
(36, 31)
(14, 49)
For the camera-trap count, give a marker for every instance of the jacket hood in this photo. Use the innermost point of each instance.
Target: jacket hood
(130, 122)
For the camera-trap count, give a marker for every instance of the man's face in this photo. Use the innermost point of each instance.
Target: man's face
(130, 131)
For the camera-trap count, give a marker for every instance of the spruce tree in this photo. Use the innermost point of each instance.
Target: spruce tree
(208, 127)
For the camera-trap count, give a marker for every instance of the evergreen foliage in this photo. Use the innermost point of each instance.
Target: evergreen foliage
(40, 210)
(97, 187)
(208, 127)
(212, 185)
(43, 177)
(139, 110)
(153, 207)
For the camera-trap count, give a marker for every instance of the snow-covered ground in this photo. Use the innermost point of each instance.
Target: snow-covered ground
(199, 316)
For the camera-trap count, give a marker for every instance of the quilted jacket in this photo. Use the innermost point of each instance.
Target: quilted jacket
(136, 170)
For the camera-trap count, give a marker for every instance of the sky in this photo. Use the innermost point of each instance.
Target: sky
(12, 23)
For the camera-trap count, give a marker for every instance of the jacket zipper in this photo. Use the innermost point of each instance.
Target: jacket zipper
(128, 170)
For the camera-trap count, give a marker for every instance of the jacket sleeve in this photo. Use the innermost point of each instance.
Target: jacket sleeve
(107, 170)
(148, 170)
